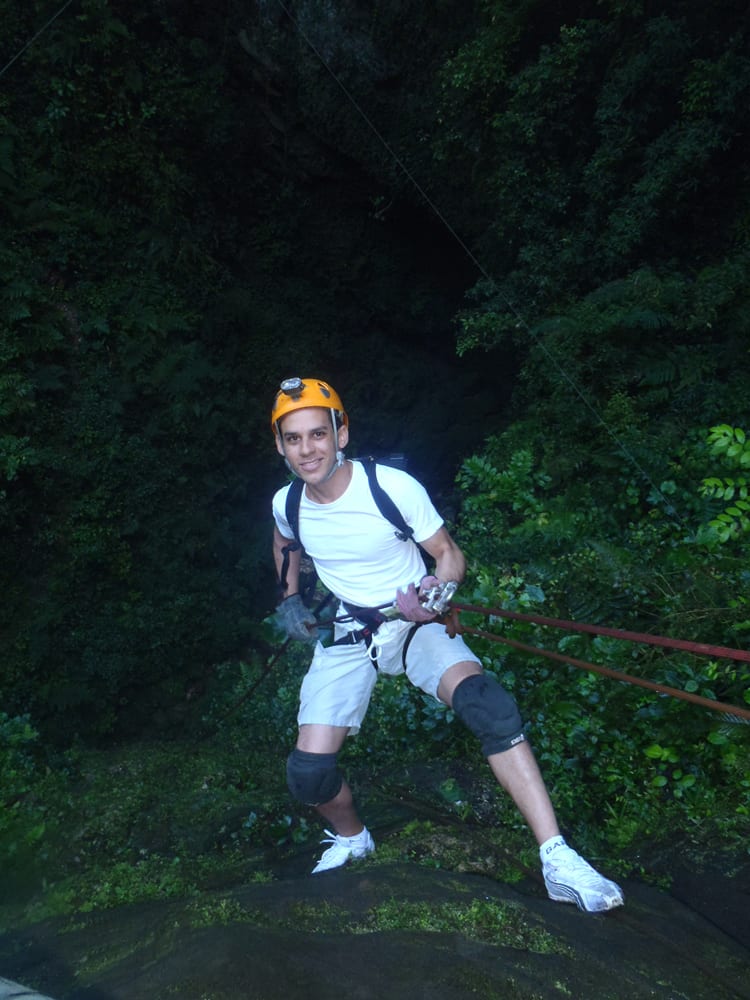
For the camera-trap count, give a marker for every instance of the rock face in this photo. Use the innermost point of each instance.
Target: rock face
(14, 991)
(398, 931)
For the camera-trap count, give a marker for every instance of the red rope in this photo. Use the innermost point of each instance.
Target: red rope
(453, 625)
(702, 648)
(716, 706)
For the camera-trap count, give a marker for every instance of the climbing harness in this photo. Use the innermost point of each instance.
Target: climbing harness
(371, 620)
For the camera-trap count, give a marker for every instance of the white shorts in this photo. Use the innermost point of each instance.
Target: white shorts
(337, 688)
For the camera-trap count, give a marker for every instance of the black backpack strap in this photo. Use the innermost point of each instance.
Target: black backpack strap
(293, 497)
(383, 502)
(385, 505)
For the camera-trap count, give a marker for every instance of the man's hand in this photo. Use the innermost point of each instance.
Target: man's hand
(297, 620)
(426, 584)
(410, 607)
(432, 599)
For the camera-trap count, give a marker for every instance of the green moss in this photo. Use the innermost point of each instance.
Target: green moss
(320, 917)
(492, 922)
(97, 959)
(458, 848)
(208, 912)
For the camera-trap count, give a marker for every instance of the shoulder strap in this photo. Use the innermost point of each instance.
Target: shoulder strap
(385, 505)
(293, 497)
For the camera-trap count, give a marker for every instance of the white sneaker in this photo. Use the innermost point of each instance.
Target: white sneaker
(570, 879)
(344, 848)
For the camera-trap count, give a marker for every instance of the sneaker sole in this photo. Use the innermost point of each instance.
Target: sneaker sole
(559, 893)
(352, 857)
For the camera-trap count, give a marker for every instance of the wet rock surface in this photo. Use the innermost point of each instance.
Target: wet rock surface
(317, 938)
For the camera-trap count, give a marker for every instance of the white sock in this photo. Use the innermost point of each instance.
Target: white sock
(362, 835)
(547, 849)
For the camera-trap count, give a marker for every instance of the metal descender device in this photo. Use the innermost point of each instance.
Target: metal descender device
(438, 598)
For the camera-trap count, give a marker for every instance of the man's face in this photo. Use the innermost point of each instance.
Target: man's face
(307, 442)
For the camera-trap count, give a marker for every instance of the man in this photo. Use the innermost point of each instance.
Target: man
(368, 566)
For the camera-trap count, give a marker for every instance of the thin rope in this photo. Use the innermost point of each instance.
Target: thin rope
(381, 138)
(482, 270)
(32, 40)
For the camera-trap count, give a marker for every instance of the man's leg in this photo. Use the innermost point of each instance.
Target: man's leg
(334, 696)
(567, 876)
(339, 811)
(516, 769)
(315, 779)
(518, 772)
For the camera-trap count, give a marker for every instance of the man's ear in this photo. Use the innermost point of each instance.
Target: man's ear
(279, 445)
(343, 437)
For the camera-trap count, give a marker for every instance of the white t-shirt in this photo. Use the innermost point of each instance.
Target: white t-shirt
(354, 548)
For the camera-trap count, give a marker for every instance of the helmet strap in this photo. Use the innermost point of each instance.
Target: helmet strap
(339, 453)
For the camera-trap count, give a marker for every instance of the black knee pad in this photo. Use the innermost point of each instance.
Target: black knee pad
(489, 712)
(313, 778)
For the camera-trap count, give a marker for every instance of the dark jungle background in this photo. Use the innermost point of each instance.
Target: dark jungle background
(515, 235)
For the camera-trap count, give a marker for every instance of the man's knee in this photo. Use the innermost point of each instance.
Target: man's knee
(489, 712)
(313, 778)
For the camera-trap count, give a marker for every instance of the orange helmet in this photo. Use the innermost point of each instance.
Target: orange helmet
(299, 394)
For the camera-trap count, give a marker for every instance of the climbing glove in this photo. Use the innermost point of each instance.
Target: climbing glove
(295, 619)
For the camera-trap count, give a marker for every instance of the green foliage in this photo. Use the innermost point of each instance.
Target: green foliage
(184, 219)
(617, 758)
(146, 821)
(120, 412)
(624, 765)
(602, 139)
(32, 778)
(648, 102)
(19, 829)
(730, 444)
(166, 256)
